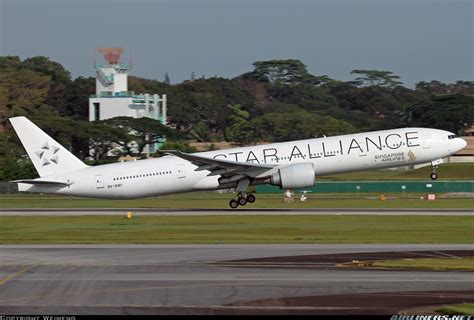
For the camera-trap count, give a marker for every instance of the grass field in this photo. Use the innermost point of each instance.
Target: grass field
(216, 200)
(463, 308)
(236, 229)
(465, 263)
(447, 171)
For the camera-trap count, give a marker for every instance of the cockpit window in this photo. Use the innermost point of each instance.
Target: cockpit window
(452, 136)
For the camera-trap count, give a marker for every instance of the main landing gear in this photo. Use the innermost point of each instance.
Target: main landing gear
(242, 200)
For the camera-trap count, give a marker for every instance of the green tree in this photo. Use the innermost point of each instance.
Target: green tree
(297, 125)
(7, 62)
(179, 145)
(239, 128)
(307, 96)
(76, 98)
(373, 107)
(449, 112)
(60, 80)
(436, 87)
(47, 67)
(376, 78)
(141, 132)
(21, 92)
(102, 138)
(201, 133)
(14, 163)
(280, 71)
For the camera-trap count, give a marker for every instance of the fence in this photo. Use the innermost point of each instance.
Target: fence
(6, 187)
(353, 187)
(382, 186)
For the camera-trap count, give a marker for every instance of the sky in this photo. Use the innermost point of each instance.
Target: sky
(418, 40)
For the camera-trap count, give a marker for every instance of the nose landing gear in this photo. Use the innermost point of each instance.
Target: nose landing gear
(434, 166)
(242, 200)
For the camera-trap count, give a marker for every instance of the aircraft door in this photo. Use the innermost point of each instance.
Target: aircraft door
(99, 181)
(425, 142)
(180, 170)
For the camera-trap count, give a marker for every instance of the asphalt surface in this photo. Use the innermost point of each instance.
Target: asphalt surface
(246, 211)
(180, 279)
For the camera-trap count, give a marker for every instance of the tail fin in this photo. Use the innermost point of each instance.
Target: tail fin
(48, 156)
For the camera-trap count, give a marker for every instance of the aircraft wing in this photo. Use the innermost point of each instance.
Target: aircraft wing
(222, 167)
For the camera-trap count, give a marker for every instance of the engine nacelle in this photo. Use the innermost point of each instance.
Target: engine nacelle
(294, 176)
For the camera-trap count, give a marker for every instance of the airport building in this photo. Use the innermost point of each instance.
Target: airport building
(112, 98)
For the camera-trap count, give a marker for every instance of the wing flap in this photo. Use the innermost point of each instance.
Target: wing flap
(222, 167)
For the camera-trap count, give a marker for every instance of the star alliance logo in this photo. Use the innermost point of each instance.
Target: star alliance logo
(48, 154)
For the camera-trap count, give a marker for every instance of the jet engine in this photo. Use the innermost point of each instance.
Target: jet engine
(294, 176)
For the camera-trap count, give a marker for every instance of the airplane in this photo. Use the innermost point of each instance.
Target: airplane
(289, 165)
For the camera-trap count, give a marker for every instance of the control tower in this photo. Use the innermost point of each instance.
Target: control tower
(112, 98)
(112, 76)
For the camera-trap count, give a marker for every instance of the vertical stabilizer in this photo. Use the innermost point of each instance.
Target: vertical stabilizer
(47, 155)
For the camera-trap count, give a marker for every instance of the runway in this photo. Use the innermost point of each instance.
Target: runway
(246, 211)
(207, 279)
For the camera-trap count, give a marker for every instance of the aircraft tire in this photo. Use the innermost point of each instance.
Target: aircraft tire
(434, 176)
(251, 198)
(242, 201)
(233, 203)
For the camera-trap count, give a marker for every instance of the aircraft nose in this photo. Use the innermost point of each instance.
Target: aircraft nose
(458, 144)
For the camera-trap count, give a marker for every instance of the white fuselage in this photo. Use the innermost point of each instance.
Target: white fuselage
(329, 155)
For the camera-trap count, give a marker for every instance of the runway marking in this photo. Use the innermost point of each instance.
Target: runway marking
(133, 289)
(447, 255)
(241, 280)
(244, 307)
(16, 258)
(123, 254)
(13, 275)
(420, 294)
(408, 294)
(437, 255)
(119, 254)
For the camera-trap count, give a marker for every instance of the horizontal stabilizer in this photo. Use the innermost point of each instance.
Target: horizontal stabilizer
(42, 182)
